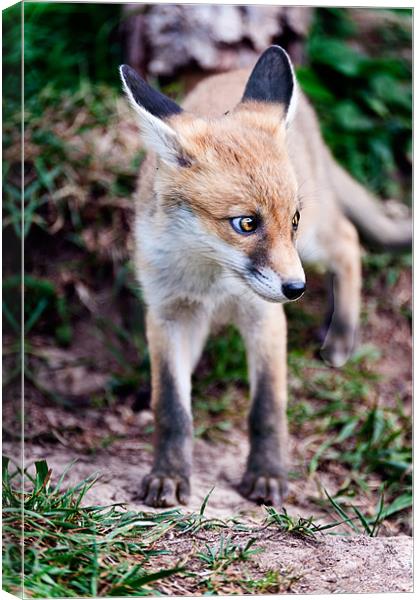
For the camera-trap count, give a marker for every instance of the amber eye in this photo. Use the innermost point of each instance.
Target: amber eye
(244, 225)
(295, 220)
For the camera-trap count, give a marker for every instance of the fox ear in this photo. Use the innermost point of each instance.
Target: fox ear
(152, 107)
(273, 80)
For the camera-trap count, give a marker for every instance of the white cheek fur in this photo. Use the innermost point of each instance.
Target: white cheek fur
(184, 260)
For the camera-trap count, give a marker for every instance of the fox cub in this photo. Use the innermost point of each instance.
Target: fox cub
(221, 234)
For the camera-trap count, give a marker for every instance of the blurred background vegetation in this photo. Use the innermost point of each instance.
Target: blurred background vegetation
(84, 336)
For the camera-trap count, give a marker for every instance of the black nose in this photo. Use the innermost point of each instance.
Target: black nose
(293, 289)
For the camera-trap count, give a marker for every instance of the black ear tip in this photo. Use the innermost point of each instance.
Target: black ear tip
(276, 52)
(276, 49)
(279, 48)
(272, 78)
(127, 71)
(123, 71)
(142, 94)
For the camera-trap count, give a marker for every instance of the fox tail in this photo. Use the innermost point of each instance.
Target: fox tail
(384, 225)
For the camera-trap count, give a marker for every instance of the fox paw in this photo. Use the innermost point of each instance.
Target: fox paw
(339, 344)
(336, 350)
(264, 489)
(161, 491)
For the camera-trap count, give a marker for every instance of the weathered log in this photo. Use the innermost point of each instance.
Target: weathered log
(167, 40)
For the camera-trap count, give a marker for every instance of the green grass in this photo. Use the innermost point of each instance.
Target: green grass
(297, 526)
(226, 552)
(340, 412)
(370, 525)
(275, 581)
(386, 267)
(75, 549)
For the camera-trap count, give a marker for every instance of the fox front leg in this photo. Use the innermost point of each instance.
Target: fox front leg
(265, 478)
(174, 347)
(168, 482)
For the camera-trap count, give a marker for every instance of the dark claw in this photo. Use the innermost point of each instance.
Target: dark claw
(161, 491)
(263, 489)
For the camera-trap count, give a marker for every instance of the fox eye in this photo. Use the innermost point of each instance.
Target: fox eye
(295, 220)
(244, 225)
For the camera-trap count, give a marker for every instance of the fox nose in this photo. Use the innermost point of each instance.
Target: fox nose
(293, 289)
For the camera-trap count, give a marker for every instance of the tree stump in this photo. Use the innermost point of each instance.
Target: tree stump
(193, 40)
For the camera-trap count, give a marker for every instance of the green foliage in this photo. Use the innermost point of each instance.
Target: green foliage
(378, 444)
(363, 96)
(73, 550)
(275, 581)
(226, 552)
(129, 376)
(385, 265)
(349, 431)
(299, 526)
(59, 163)
(370, 525)
(56, 57)
(12, 59)
(64, 179)
(226, 354)
(42, 301)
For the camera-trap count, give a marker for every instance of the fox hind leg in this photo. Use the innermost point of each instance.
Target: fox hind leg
(344, 264)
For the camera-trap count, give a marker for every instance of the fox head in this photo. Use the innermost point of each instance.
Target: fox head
(227, 183)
